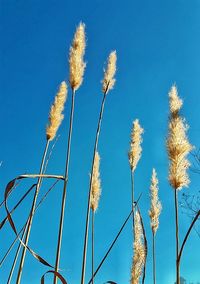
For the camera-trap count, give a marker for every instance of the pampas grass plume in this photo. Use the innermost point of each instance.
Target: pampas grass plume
(76, 61)
(135, 145)
(139, 251)
(178, 145)
(96, 184)
(55, 115)
(156, 206)
(108, 81)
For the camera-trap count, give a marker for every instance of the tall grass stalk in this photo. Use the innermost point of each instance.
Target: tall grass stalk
(89, 193)
(55, 119)
(154, 257)
(134, 155)
(77, 67)
(115, 240)
(31, 215)
(178, 148)
(24, 228)
(93, 246)
(108, 83)
(62, 213)
(154, 213)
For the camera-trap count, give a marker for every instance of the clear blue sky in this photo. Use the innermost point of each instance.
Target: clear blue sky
(157, 43)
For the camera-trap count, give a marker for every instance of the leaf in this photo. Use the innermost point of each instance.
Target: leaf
(55, 273)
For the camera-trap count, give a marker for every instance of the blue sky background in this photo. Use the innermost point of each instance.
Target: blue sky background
(157, 43)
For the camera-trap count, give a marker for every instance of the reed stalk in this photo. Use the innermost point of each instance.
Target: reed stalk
(31, 215)
(154, 213)
(115, 240)
(89, 193)
(177, 237)
(178, 148)
(154, 258)
(187, 235)
(64, 195)
(134, 155)
(107, 84)
(77, 67)
(17, 237)
(93, 246)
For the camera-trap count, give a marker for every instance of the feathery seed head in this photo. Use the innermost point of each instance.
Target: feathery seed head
(139, 251)
(96, 184)
(55, 115)
(175, 102)
(135, 145)
(156, 206)
(178, 147)
(76, 62)
(109, 73)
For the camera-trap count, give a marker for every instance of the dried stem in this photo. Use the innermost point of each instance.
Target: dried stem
(154, 258)
(132, 197)
(177, 237)
(115, 239)
(17, 254)
(93, 215)
(89, 193)
(187, 235)
(15, 207)
(62, 213)
(32, 214)
(17, 237)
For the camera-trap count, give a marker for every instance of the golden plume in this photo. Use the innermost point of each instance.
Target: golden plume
(76, 62)
(109, 73)
(178, 145)
(139, 251)
(96, 184)
(156, 206)
(55, 115)
(135, 144)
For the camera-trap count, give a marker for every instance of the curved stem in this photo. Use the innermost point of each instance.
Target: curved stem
(17, 237)
(89, 193)
(62, 213)
(31, 215)
(15, 207)
(187, 235)
(177, 237)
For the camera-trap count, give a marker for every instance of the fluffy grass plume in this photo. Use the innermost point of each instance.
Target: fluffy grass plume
(139, 251)
(108, 81)
(178, 145)
(55, 115)
(156, 207)
(76, 61)
(96, 184)
(135, 145)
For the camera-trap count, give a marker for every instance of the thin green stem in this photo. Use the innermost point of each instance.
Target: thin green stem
(31, 215)
(62, 213)
(89, 193)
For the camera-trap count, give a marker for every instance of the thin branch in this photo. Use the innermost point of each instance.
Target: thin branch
(115, 239)
(187, 235)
